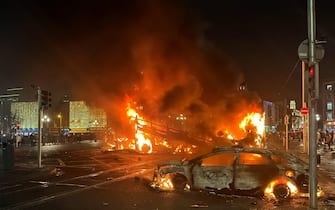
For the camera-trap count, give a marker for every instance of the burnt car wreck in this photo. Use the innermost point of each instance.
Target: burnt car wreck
(237, 170)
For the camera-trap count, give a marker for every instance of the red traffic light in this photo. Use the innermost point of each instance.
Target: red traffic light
(311, 71)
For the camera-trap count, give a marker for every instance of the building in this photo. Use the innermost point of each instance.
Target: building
(25, 115)
(7, 121)
(327, 105)
(271, 116)
(84, 118)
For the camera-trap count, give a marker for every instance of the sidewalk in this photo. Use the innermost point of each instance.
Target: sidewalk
(325, 169)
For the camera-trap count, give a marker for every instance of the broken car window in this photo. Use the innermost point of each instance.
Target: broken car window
(225, 159)
(253, 159)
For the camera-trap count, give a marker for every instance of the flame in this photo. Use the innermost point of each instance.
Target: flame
(185, 149)
(251, 127)
(166, 183)
(255, 120)
(141, 140)
(268, 192)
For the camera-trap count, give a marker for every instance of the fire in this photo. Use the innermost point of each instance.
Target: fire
(249, 132)
(166, 183)
(269, 190)
(141, 140)
(255, 120)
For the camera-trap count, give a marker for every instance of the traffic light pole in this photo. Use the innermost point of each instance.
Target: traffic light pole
(40, 126)
(312, 101)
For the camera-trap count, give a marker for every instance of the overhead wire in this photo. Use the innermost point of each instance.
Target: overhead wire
(289, 76)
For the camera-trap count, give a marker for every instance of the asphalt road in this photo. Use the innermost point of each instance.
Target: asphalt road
(82, 176)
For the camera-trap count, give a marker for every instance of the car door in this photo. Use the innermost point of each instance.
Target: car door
(253, 171)
(214, 171)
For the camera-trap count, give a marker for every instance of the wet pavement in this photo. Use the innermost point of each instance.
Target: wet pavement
(24, 160)
(25, 168)
(325, 169)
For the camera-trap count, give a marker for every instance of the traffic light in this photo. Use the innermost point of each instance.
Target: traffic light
(311, 79)
(45, 99)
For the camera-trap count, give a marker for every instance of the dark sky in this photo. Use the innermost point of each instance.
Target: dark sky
(197, 50)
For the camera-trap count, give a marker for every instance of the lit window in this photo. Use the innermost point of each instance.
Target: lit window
(329, 87)
(329, 106)
(329, 116)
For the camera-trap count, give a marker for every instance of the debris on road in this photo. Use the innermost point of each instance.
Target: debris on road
(199, 206)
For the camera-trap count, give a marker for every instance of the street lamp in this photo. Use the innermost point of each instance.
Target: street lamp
(59, 116)
(46, 119)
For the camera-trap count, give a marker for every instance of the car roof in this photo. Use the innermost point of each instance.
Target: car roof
(240, 149)
(284, 154)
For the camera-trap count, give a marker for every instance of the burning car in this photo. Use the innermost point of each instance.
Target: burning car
(237, 170)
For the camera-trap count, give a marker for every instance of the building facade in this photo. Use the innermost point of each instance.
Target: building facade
(327, 104)
(82, 118)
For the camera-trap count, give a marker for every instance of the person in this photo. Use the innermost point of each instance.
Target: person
(32, 139)
(328, 139)
(18, 140)
(318, 137)
(323, 137)
(331, 140)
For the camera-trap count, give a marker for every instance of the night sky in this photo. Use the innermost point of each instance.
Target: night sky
(177, 53)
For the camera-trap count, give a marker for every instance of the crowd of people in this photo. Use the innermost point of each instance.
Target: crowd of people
(326, 138)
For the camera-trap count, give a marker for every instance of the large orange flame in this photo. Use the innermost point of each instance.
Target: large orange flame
(141, 140)
(253, 121)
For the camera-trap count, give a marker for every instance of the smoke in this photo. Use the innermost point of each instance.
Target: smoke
(151, 52)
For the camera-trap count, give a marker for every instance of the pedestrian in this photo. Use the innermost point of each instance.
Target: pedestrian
(318, 137)
(332, 140)
(328, 139)
(18, 140)
(323, 137)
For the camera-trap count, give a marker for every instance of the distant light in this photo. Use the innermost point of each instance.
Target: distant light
(45, 118)
(317, 116)
(181, 117)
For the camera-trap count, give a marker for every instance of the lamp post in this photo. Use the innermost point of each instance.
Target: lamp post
(46, 120)
(59, 116)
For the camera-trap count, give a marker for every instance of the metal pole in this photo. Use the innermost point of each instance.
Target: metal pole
(286, 132)
(312, 138)
(303, 104)
(40, 113)
(312, 161)
(303, 84)
(307, 133)
(311, 30)
(286, 138)
(316, 82)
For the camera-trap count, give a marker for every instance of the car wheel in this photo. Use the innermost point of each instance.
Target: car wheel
(179, 182)
(281, 192)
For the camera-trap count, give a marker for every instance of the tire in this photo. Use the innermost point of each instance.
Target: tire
(282, 192)
(179, 182)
